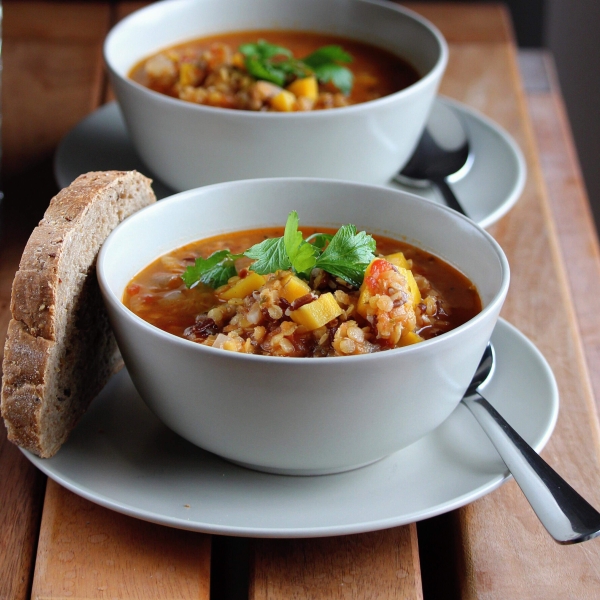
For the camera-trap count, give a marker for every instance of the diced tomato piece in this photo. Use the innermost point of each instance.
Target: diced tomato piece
(133, 289)
(376, 268)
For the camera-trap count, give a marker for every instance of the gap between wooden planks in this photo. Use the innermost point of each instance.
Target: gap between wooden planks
(504, 551)
(478, 578)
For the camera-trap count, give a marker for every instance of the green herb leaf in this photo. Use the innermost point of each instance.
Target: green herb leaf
(213, 271)
(319, 240)
(345, 254)
(327, 55)
(324, 63)
(302, 255)
(294, 68)
(264, 50)
(259, 61)
(348, 254)
(265, 71)
(340, 76)
(276, 64)
(269, 255)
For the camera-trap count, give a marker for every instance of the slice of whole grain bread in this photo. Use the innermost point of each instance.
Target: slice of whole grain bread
(60, 350)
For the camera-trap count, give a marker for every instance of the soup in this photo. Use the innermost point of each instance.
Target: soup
(281, 71)
(399, 295)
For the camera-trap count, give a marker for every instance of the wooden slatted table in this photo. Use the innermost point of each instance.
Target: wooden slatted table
(56, 545)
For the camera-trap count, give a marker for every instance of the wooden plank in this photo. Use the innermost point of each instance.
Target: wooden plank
(59, 59)
(482, 72)
(22, 485)
(463, 22)
(21, 492)
(382, 564)
(39, 106)
(572, 214)
(81, 22)
(503, 550)
(53, 69)
(87, 551)
(123, 9)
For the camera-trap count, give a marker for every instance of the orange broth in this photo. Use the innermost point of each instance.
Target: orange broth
(377, 72)
(158, 295)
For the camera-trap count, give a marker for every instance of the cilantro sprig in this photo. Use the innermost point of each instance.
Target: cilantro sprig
(277, 64)
(346, 254)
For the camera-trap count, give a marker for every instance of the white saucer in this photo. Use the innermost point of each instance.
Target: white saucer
(121, 457)
(487, 190)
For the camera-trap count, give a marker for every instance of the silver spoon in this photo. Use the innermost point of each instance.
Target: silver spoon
(443, 151)
(563, 512)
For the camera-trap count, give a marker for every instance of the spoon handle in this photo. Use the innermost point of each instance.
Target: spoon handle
(567, 516)
(449, 197)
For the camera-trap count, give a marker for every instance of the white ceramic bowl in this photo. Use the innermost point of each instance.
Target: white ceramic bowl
(300, 415)
(188, 145)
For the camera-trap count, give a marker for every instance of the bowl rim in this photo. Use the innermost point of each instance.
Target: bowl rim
(423, 81)
(116, 302)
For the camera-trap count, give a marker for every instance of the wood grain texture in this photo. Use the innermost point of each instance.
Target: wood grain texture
(52, 55)
(53, 76)
(504, 550)
(466, 22)
(124, 9)
(87, 551)
(21, 493)
(48, 84)
(53, 51)
(571, 213)
(382, 564)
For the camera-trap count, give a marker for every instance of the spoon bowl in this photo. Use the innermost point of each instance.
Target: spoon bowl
(443, 153)
(567, 516)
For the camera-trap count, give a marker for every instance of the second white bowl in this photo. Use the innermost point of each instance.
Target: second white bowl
(187, 145)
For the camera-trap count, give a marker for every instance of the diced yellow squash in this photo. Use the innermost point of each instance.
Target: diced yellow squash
(363, 301)
(294, 288)
(409, 337)
(317, 313)
(243, 287)
(412, 284)
(306, 87)
(398, 259)
(189, 74)
(238, 60)
(285, 101)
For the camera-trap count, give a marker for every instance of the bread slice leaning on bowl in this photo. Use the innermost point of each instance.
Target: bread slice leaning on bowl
(60, 350)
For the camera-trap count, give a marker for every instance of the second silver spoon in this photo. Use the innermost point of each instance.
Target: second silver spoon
(442, 151)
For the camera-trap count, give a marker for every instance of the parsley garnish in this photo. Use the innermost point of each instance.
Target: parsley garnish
(213, 271)
(346, 254)
(325, 64)
(276, 64)
(287, 252)
(269, 255)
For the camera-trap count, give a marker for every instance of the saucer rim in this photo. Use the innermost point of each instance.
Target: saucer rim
(547, 420)
(64, 152)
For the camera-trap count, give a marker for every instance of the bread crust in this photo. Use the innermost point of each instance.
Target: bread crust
(60, 350)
